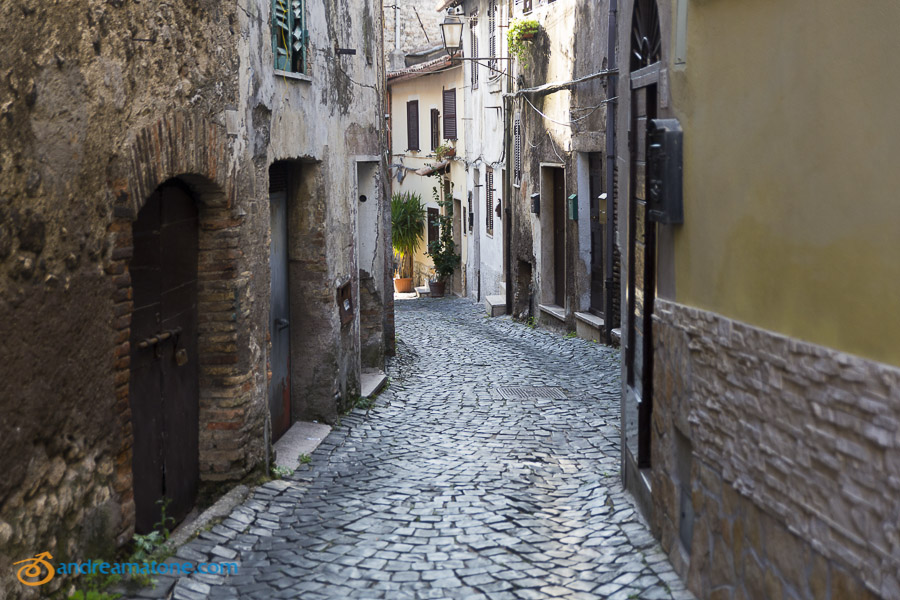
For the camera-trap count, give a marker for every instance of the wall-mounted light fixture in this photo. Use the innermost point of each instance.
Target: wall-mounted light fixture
(452, 34)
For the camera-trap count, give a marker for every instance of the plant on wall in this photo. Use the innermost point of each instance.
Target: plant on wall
(520, 31)
(443, 250)
(407, 228)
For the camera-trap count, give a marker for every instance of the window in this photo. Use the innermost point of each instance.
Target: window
(473, 44)
(492, 33)
(517, 150)
(290, 38)
(435, 128)
(450, 114)
(412, 125)
(489, 200)
(434, 231)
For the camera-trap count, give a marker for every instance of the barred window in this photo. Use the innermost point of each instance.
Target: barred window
(517, 150)
(489, 200)
(290, 37)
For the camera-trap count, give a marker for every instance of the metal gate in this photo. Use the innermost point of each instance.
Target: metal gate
(280, 361)
(164, 384)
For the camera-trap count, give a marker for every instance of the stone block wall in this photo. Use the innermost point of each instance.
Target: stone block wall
(795, 452)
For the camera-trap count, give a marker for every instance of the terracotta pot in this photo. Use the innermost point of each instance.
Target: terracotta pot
(437, 288)
(403, 285)
(528, 35)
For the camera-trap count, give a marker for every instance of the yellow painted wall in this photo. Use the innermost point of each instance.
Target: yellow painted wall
(791, 113)
(428, 90)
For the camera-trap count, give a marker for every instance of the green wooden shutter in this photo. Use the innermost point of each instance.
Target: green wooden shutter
(281, 34)
(299, 36)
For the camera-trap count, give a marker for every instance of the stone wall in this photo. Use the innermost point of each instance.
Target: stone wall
(794, 454)
(100, 104)
(420, 27)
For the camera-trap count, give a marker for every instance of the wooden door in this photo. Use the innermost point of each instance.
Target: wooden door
(279, 318)
(641, 272)
(164, 384)
(559, 238)
(598, 229)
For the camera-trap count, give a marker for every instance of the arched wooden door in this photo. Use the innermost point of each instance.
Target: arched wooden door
(164, 384)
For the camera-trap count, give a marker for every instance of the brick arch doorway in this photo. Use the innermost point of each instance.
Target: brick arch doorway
(164, 383)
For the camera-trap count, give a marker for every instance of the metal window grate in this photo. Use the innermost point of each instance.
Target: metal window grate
(517, 151)
(526, 392)
(489, 200)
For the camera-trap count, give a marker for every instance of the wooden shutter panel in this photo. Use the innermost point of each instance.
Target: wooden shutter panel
(450, 114)
(412, 125)
(435, 128)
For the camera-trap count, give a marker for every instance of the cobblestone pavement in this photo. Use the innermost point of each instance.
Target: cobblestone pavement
(447, 490)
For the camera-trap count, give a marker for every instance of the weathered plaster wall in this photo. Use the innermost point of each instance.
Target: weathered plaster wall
(326, 119)
(485, 128)
(795, 449)
(427, 90)
(579, 115)
(795, 242)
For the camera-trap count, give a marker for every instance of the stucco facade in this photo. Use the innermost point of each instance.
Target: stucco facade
(426, 85)
(772, 449)
(112, 102)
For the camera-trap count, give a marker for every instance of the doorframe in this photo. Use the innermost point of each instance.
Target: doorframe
(547, 221)
(643, 78)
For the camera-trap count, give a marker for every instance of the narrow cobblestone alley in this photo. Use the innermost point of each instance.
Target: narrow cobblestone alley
(447, 488)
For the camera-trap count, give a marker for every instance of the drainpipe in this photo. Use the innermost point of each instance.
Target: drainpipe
(611, 90)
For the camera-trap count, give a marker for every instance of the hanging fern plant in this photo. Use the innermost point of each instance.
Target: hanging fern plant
(520, 32)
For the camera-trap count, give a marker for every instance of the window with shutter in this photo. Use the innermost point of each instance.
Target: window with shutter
(450, 114)
(489, 200)
(527, 7)
(473, 45)
(434, 230)
(412, 125)
(517, 150)
(492, 33)
(435, 128)
(290, 36)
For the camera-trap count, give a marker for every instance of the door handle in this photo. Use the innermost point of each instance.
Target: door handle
(282, 323)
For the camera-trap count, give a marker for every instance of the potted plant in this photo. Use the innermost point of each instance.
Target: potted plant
(520, 31)
(407, 230)
(443, 250)
(444, 151)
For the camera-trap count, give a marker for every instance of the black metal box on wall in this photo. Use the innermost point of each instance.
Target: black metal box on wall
(536, 204)
(664, 171)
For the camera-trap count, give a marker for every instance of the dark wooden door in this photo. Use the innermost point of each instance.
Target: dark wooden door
(598, 228)
(559, 238)
(164, 384)
(641, 271)
(279, 311)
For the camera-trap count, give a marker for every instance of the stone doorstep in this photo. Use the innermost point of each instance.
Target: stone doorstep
(554, 311)
(371, 382)
(195, 521)
(495, 305)
(302, 438)
(423, 291)
(589, 327)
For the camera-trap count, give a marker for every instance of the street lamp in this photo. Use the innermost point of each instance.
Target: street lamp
(452, 32)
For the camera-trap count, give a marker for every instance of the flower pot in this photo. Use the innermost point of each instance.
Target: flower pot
(437, 288)
(403, 285)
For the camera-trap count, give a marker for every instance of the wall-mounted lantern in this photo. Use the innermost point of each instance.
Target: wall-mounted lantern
(452, 32)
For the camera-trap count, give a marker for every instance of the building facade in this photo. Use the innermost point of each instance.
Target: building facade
(156, 160)
(563, 266)
(425, 104)
(761, 416)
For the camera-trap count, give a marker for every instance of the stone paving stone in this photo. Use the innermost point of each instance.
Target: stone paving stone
(447, 490)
